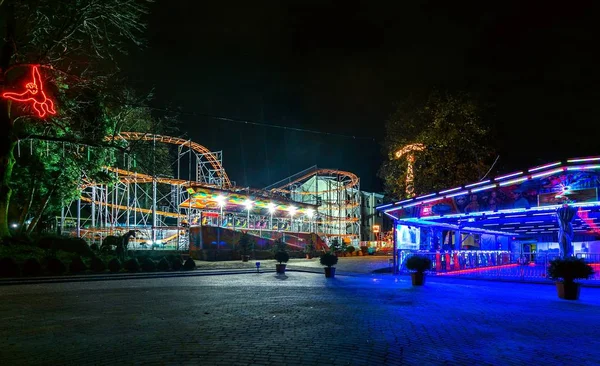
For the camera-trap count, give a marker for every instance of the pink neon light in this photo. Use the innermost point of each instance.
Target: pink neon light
(34, 92)
(479, 269)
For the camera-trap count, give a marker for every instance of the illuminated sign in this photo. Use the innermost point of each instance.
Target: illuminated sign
(375, 228)
(34, 94)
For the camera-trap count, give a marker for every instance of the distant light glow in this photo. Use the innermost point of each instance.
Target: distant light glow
(221, 200)
(271, 207)
(248, 204)
(14, 225)
(310, 213)
(292, 210)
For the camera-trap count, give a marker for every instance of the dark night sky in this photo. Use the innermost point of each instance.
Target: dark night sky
(339, 66)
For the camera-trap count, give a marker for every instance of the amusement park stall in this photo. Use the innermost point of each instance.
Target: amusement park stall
(499, 225)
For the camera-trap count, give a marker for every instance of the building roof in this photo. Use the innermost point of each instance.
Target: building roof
(518, 204)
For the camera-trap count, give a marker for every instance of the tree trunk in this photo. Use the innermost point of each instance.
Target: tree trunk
(7, 138)
(26, 208)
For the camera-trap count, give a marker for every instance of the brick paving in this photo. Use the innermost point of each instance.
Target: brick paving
(297, 319)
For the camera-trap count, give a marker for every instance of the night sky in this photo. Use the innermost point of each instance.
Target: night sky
(340, 67)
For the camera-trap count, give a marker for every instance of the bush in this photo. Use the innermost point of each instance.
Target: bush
(189, 264)
(94, 247)
(55, 266)
(569, 269)
(328, 259)
(176, 264)
(32, 267)
(148, 265)
(131, 265)
(282, 257)
(114, 265)
(163, 264)
(418, 263)
(350, 249)
(9, 268)
(66, 244)
(77, 265)
(97, 265)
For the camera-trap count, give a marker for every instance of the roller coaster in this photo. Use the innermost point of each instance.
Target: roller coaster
(162, 210)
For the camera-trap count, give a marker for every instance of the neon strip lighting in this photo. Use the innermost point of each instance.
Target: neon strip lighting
(34, 93)
(428, 195)
(490, 224)
(583, 167)
(456, 194)
(399, 202)
(544, 167)
(535, 222)
(432, 200)
(579, 160)
(480, 269)
(477, 184)
(384, 206)
(450, 190)
(509, 216)
(509, 182)
(391, 216)
(554, 171)
(507, 176)
(483, 188)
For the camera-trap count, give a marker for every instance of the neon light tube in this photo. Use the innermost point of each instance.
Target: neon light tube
(408, 200)
(483, 188)
(583, 159)
(450, 190)
(429, 195)
(507, 176)
(432, 199)
(477, 184)
(509, 182)
(544, 167)
(554, 171)
(583, 167)
(384, 206)
(456, 194)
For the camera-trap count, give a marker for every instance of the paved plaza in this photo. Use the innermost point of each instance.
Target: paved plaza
(297, 319)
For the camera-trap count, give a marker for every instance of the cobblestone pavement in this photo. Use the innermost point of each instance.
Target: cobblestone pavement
(296, 319)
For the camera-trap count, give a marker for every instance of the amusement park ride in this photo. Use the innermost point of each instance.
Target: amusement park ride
(163, 210)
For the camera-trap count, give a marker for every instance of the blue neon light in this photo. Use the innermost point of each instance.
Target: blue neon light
(457, 194)
(507, 176)
(450, 190)
(544, 167)
(580, 160)
(483, 188)
(477, 184)
(512, 181)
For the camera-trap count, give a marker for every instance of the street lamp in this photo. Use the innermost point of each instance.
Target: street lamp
(271, 207)
(310, 213)
(221, 201)
(292, 210)
(248, 204)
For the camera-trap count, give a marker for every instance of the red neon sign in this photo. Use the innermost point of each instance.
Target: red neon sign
(34, 93)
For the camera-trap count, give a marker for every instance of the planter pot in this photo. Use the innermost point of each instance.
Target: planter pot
(329, 272)
(567, 291)
(280, 268)
(418, 279)
(245, 258)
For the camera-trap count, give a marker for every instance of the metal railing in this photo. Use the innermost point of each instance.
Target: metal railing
(494, 263)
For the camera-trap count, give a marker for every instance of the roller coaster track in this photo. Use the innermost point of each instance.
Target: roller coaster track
(353, 181)
(140, 136)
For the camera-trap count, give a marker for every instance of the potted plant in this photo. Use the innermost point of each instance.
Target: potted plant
(282, 257)
(246, 244)
(329, 260)
(565, 271)
(418, 264)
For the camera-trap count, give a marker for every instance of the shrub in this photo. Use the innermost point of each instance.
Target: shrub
(189, 264)
(350, 249)
(282, 257)
(148, 265)
(94, 247)
(131, 265)
(114, 265)
(71, 245)
(77, 265)
(569, 269)
(97, 265)
(418, 263)
(32, 267)
(176, 264)
(55, 266)
(246, 243)
(280, 246)
(9, 268)
(328, 259)
(163, 264)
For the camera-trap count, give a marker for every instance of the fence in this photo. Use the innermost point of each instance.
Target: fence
(494, 264)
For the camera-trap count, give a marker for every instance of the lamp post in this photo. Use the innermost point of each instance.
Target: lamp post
(248, 204)
(271, 207)
(221, 203)
(292, 210)
(310, 213)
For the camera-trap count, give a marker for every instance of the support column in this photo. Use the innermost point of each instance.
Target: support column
(394, 250)
(79, 217)
(458, 240)
(153, 210)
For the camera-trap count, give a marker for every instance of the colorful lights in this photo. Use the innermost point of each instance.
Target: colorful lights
(409, 152)
(477, 184)
(513, 181)
(34, 93)
(483, 188)
(584, 167)
(580, 160)
(507, 176)
(544, 174)
(457, 194)
(544, 167)
(450, 190)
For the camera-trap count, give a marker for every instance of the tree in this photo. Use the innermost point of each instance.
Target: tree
(75, 43)
(456, 139)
